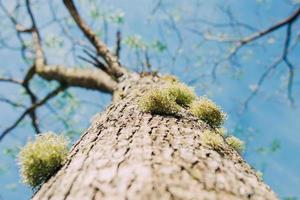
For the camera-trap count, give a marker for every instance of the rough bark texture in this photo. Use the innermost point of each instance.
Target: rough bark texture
(127, 154)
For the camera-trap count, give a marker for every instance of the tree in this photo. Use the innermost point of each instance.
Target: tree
(127, 154)
(134, 154)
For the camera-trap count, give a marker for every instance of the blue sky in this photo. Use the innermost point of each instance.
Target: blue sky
(268, 118)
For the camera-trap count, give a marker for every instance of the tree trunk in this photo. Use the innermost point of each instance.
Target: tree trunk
(127, 154)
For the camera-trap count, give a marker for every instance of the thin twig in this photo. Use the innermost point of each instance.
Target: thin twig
(118, 43)
(111, 60)
(31, 108)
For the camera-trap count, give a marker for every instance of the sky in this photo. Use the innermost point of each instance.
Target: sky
(268, 123)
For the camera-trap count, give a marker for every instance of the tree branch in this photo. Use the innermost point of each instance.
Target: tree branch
(10, 80)
(19, 29)
(32, 108)
(12, 103)
(86, 78)
(288, 63)
(289, 20)
(282, 58)
(118, 44)
(260, 82)
(96, 62)
(36, 37)
(115, 67)
(97, 79)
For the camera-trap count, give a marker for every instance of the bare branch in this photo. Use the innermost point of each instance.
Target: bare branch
(147, 60)
(10, 80)
(33, 98)
(12, 103)
(219, 25)
(34, 122)
(87, 78)
(289, 20)
(259, 34)
(90, 79)
(282, 58)
(260, 82)
(290, 80)
(19, 29)
(36, 37)
(112, 61)
(288, 63)
(156, 7)
(118, 44)
(96, 62)
(97, 79)
(31, 108)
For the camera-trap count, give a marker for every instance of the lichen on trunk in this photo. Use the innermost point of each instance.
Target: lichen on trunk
(129, 154)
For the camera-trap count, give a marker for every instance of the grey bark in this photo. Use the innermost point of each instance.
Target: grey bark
(127, 154)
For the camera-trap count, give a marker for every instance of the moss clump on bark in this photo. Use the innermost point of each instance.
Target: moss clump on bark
(168, 99)
(159, 101)
(182, 93)
(222, 131)
(41, 158)
(212, 139)
(208, 111)
(236, 143)
(169, 78)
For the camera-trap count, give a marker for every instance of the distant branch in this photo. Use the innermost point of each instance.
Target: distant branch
(239, 43)
(260, 82)
(12, 103)
(288, 63)
(36, 37)
(18, 28)
(31, 108)
(147, 60)
(243, 41)
(118, 44)
(282, 58)
(10, 80)
(94, 61)
(289, 20)
(111, 60)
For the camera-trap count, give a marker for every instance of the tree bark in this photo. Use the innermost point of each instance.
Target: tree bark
(127, 154)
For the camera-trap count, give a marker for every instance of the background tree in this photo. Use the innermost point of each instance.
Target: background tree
(178, 27)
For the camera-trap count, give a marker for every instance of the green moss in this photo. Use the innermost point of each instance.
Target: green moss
(41, 158)
(208, 111)
(212, 139)
(168, 99)
(159, 101)
(182, 93)
(222, 131)
(170, 78)
(236, 144)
